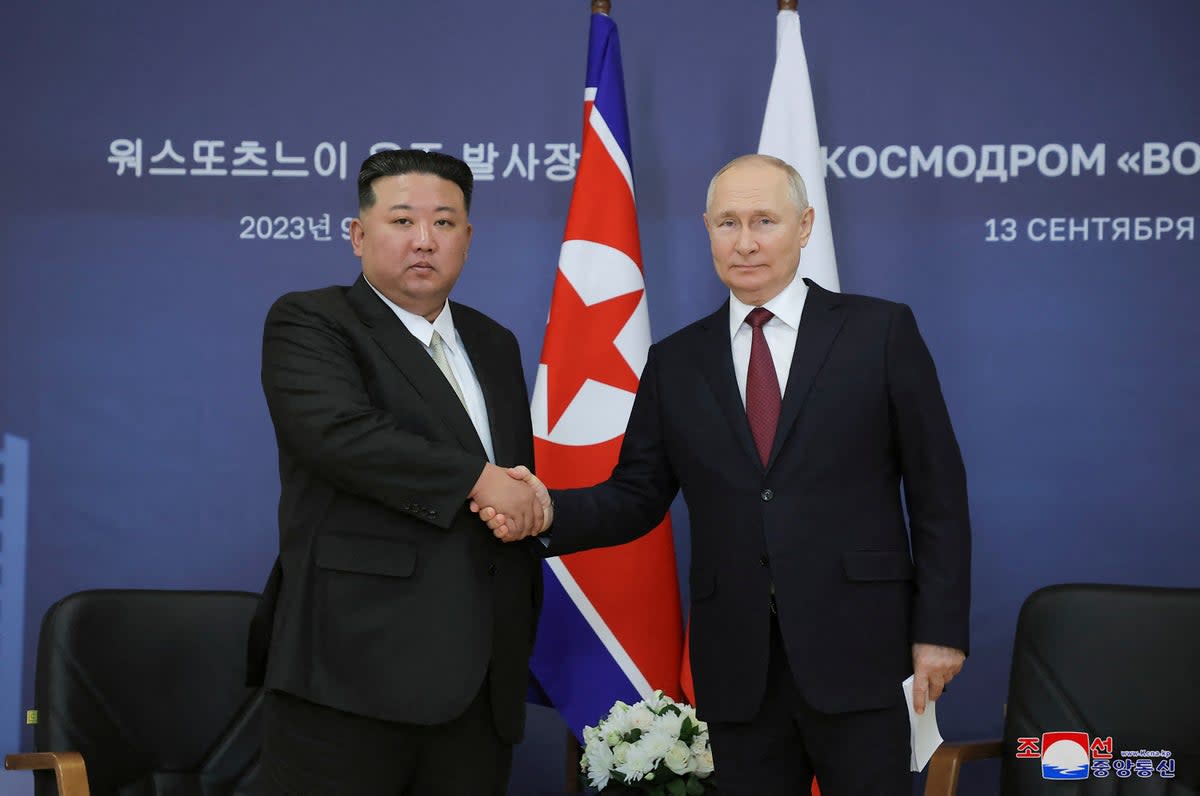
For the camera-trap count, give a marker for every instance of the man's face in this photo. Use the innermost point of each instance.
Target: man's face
(756, 231)
(413, 241)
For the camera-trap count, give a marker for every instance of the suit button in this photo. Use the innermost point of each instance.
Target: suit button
(763, 561)
(767, 494)
(492, 569)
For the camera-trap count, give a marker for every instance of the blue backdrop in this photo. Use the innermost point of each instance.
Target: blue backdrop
(1023, 174)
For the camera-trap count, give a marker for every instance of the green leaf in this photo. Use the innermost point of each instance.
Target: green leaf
(694, 788)
(677, 788)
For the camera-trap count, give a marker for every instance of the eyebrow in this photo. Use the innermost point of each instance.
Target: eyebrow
(438, 209)
(762, 211)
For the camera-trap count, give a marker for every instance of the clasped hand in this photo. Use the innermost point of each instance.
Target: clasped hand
(513, 502)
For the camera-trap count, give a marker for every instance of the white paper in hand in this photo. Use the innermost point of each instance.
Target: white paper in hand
(925, 737)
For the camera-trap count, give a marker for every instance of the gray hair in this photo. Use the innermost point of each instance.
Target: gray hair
(796, 190)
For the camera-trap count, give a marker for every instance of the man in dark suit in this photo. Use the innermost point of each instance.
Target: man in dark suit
(811, 599)
(401, 629)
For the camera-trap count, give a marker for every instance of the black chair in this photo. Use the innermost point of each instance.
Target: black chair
(1109, 661)
(145, 688)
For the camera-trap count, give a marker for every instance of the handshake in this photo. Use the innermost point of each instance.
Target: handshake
(512, 501)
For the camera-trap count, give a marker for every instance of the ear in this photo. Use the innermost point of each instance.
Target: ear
(357, 233)
(806, 225)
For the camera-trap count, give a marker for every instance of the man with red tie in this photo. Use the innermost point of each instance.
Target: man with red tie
(801, 425)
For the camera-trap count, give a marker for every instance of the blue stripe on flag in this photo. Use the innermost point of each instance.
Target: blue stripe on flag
(605, 75)
(574, 669)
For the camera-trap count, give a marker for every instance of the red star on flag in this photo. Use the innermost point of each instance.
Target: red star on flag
(580, 344)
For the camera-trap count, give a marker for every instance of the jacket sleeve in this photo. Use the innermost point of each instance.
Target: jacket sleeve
(636, 496)
(935, 488)
(325, 420)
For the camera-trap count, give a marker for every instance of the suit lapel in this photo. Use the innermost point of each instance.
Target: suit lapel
(819, 326)
(718, 371)
(490, 370)
(414, 362)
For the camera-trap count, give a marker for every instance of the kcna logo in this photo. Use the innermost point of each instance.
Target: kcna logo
(1075, 755)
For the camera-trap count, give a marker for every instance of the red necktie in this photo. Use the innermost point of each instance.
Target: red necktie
(763, 398)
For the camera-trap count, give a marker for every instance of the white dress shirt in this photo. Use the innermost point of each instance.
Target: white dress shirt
(780, 332)
(456, 355)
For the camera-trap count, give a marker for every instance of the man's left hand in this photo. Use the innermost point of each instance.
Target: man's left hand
(933, 667)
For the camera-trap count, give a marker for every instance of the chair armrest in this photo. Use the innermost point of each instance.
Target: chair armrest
(947, 761)
(69, 771)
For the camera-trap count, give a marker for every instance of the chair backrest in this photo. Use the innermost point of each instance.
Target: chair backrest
(1109, 661)
(148, 686)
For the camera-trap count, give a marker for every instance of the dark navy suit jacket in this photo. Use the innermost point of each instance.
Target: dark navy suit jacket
(863, 435)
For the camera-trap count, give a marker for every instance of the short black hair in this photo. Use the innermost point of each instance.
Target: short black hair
(392, 162)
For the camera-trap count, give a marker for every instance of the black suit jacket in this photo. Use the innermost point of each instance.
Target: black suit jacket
(394, 600)
(862, 421)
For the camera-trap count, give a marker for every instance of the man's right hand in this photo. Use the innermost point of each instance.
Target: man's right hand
(516, 499)
(500, 524)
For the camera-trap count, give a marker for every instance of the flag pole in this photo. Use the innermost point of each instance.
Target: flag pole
(787, 5)
(574, 750)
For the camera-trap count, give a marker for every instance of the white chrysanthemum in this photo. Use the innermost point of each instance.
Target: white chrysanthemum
(599, 777)
(599, 764)
(704, 763)
(657, 743)
(638, 763)
(640, 717)
(620, 722)
(669, 722)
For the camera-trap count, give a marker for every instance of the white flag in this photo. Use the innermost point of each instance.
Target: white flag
(789, 132)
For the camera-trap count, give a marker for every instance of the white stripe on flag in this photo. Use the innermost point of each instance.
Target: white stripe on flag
(614, 149)
(598, 625)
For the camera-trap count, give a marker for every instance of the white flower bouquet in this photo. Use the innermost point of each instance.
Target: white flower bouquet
(656, 746)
